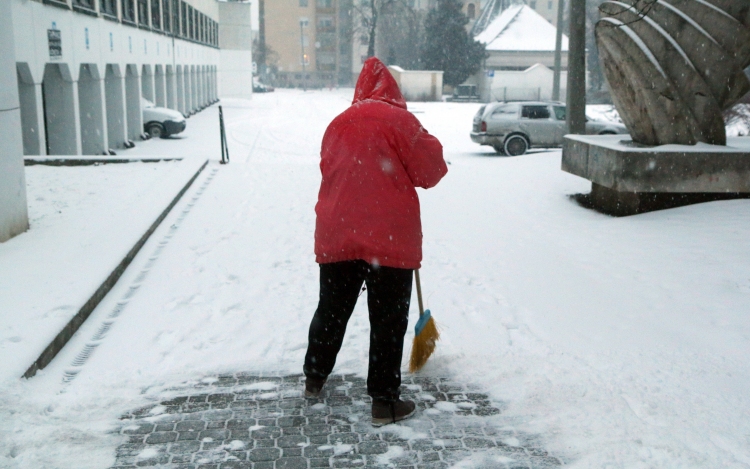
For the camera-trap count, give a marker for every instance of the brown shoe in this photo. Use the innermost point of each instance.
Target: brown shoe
(313, 387)
(385, 412)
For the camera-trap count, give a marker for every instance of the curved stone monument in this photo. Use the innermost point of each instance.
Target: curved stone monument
(674, 65)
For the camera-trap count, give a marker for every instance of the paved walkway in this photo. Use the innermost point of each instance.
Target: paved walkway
(248, 421)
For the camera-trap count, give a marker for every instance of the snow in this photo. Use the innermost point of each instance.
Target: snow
(84, 220)
(520, 28)
(625, 144)
(621, 342)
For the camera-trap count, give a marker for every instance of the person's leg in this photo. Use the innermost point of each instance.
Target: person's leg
(340, 283)
(388, 298)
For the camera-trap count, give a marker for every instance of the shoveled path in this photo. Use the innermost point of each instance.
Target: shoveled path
(263, 422)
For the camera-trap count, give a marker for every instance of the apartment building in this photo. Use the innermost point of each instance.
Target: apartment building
(308, 42)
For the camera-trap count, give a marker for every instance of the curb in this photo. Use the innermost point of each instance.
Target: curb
(90, 161)
(75, 323)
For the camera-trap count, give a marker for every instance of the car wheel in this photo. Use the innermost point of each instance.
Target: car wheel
(516, 145)
(155, 131)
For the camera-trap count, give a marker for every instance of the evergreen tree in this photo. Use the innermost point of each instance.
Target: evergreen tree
(448, 46)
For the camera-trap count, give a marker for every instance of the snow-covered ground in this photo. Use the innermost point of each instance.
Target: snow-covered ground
(622, 342)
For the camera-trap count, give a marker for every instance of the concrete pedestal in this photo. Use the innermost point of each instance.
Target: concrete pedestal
(629, 179)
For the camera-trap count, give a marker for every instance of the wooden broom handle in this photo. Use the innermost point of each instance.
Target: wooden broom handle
(419, 292)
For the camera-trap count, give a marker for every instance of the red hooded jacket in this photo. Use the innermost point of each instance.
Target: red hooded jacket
(373, 156)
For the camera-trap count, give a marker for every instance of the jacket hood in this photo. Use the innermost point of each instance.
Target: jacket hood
(376, 82)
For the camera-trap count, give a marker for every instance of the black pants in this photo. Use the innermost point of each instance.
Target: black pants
(388, 297)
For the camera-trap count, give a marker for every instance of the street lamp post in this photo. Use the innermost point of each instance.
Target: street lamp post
(302, 43)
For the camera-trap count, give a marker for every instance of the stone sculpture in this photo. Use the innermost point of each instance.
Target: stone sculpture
(673, 66)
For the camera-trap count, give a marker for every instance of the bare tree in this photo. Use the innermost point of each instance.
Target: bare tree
(370, 11)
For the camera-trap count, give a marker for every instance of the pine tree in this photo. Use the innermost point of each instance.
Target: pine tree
(448, 46)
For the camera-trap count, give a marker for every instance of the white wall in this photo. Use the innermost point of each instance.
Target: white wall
(13, 211)
(236, 56)
(530, 84)
(419, 85)
(236, 74)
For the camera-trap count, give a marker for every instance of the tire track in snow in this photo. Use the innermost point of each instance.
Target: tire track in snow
(75, 367)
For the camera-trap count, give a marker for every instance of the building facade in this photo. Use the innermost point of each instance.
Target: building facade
(308, 42)
(83, 65)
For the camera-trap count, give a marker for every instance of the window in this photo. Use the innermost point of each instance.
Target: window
(200, 27)
(128, 10)
(325, 23)
(108, 7)
(303, 3)
(549, 5)
(175, 11)
(156, 14)
(532, 4)
(143, 12)
(325, 3)
(535, 112)
(87, 4)
(184, 20)
(166, 17)
(560, 113)
(471, 11)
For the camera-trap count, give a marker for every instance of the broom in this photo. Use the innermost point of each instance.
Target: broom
(425, 334)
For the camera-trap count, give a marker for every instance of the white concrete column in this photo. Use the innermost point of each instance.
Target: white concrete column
(147, 83)
(216, 83)
(188, 89)
(133, 102)
(61, 116)
(171, 95)
(160, 94)
(92, 111)
(14, 217)
(191, 89)
(201, 96)
(32, 115)
(117, 119)
(196, 88)
(180, 79)
(206, 96)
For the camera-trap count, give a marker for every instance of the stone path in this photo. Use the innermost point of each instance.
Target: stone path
(248, 421)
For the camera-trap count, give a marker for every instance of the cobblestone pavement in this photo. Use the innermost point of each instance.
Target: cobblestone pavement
(245, 421)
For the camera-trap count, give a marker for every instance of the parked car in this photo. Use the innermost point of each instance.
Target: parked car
(513, 128)
(161, 122)
(259, 87)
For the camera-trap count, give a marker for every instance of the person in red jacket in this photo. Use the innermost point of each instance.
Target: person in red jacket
(368, 229)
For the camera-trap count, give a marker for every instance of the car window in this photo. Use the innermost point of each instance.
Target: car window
(535, 112)
(506, 111)
(480, 112)
(560, 113)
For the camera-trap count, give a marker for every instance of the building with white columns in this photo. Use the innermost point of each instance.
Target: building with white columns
(82, 66)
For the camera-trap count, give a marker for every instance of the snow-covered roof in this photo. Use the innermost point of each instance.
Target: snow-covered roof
(520, 28)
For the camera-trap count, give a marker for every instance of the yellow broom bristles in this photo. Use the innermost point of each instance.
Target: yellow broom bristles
(424, 345)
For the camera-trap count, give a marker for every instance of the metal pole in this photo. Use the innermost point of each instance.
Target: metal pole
(558, 50)
(302, 43)
(576, 102)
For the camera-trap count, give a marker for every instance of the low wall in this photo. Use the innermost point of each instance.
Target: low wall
(419, 85)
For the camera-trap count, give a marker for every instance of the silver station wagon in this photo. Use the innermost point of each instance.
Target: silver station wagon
(513, 128)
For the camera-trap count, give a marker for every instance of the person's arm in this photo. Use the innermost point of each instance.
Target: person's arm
(423, 159)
